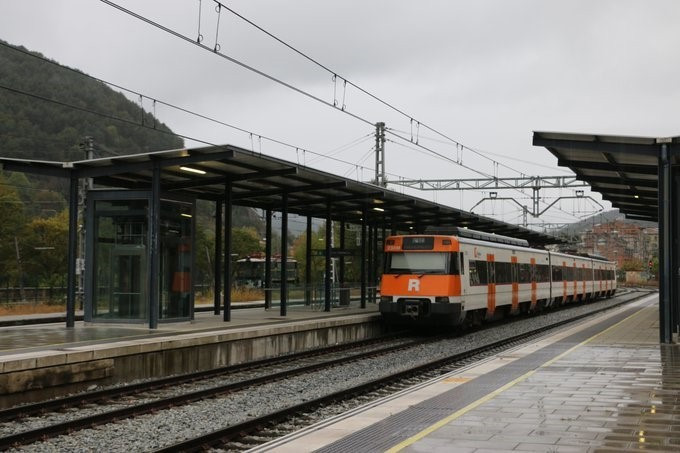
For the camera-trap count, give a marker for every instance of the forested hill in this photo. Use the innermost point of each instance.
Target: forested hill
(38, 129)
(46, 111)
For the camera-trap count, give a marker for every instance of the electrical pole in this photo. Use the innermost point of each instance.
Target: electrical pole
(88, 147)
(380, 155)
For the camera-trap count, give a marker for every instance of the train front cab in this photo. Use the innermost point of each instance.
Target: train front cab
(421, 282)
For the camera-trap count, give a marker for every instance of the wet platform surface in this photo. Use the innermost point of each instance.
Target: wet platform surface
(19, 339)
(605, 385)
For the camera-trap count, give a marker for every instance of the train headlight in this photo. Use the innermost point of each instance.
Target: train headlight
(441, 299)
(385, 298)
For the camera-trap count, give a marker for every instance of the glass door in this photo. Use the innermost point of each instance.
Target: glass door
(128, 288)
(120, 280)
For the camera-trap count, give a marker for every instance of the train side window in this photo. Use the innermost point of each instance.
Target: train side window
(474, 277)
(462, 263)
(557, 273)
(454, 264)
(503, 273)
(526, 272)
(481, 272)
(545, 273)
(491, 277)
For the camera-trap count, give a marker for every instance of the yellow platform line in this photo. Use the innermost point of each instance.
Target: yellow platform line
(429, 430)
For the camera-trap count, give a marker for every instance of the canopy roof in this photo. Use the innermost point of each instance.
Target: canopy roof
(623, 169)
(260, 181)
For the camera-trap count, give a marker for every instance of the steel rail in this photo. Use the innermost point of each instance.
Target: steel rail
(241, 430)
(46, 432)
(81, 399)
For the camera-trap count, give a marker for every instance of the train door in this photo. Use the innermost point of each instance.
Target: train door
(534, 286)
(464, 279)
(514, 277)
(128, 283)
(491, 285)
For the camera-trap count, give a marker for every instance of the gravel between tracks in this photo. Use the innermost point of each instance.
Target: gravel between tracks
(166, 427)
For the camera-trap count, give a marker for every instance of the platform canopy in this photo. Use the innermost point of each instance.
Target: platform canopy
(623, 169)
(639, 176)
(260, 181)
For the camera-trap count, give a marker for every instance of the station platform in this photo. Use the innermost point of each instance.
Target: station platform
(51, 360)
(35, 337)
(605, 384)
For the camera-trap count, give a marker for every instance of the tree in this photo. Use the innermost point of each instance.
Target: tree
(44, 250)
(632, 265)
(205, 255)
(300, 254)
(245, 242)
(12, 215)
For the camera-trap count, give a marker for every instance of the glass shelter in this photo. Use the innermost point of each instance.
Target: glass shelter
(119, 246)
(139, 247)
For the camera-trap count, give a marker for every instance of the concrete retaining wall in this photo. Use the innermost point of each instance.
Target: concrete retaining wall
(50, 373)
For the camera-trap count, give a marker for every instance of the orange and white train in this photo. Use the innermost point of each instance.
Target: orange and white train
(470, 277)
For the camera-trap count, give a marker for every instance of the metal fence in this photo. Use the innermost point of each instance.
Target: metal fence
(40, 294)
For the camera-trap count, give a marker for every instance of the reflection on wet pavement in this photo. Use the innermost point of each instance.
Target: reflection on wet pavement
(16, 338)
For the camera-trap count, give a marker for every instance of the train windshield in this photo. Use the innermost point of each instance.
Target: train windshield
(422, 263)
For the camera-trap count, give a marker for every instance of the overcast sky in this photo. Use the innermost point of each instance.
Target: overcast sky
(485, 73)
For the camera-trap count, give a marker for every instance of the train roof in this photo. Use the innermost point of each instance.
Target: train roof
(479, 235)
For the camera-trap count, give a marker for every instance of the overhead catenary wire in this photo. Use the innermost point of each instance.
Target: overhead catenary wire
(344, 147)
(127, 121)
(334, 104)
(446, 158)
(252, 69)
(349, 82)
(481, 153)
(169, 105)
(316, 98)
(464, 166)
(216, 51)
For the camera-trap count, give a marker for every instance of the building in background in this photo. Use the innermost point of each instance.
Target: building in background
(621, 241)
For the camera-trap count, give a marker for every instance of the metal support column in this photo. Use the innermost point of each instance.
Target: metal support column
(72, 246)
(227, 249)
(363, 259)
(374, 281)
(381, 252)
(155, 248)
(369, 269)
(380, 155)
(665, 244)
(675, 250)
(218, 257)
(284, 254)
(327, 273)
(308, 264)
(341, 271)
(268, 260)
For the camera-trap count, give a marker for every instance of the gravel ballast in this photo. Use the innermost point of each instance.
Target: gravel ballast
(166, 427)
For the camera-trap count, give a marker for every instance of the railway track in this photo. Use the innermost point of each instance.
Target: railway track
(256, 373)
(258, 430)
(234, 435)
